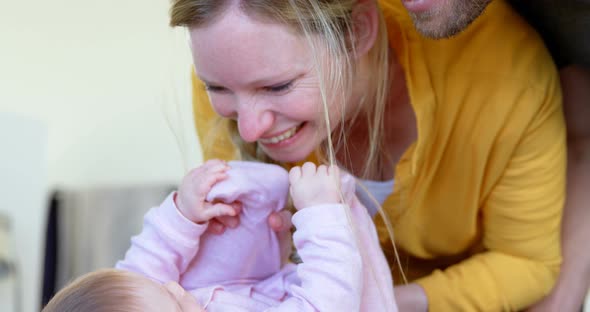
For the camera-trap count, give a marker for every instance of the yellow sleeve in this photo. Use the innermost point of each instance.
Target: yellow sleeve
(212, 130)
(520, 225)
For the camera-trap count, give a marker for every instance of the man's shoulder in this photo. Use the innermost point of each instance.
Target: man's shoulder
(500, 48)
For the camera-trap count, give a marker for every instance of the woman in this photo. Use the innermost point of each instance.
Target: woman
(469, 129)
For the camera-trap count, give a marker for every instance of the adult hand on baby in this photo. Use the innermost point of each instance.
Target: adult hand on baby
(192, 194)
(311, 186)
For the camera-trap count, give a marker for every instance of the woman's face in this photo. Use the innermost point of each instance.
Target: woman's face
(262, 75)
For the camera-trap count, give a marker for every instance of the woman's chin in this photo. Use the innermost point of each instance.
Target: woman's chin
(287, 157)
(295, 149)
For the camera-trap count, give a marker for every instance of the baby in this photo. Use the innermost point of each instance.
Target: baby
(245, 268)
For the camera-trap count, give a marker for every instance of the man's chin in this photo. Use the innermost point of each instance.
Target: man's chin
(448, 21)
(433, 27)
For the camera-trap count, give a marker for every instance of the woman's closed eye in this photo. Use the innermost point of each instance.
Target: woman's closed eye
(213, 88)
(279, 87)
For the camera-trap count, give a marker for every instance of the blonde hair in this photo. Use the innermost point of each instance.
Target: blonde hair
(331, 21)
(106, 290)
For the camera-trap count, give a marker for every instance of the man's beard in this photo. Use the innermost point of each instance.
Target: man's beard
(449, 20)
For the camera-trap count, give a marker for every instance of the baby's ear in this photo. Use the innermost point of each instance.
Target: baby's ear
(175, 290)
(184, 299)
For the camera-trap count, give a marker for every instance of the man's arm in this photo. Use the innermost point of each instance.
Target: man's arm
(574, 279)
(520, 216)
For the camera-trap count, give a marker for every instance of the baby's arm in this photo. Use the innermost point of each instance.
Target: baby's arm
(331, 272)
(171, 233)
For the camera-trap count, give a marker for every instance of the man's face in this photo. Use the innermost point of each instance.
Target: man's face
(444, 18)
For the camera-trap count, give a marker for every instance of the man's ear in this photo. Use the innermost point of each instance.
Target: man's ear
(365, 19)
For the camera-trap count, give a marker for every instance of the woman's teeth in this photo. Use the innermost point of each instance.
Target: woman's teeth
(285, 135)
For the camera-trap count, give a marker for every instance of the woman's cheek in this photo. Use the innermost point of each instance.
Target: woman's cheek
(222, 106)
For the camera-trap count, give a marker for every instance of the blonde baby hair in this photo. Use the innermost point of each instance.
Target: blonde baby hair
(106, 290)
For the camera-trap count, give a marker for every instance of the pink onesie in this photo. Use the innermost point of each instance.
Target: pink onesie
(245, 269)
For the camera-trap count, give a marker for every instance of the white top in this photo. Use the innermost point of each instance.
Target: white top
(379, 190)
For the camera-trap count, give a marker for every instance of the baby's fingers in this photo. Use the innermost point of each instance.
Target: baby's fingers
(308, 169)
(218, 210)
(217, 166)
(214, 163)
(205, 184)
(219, 224)
(210, 166)
(322, 169)
(334, 171)
(294, 174)
(215, 227)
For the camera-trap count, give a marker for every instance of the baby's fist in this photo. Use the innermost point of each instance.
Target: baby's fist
(312, 186)
(192, 193)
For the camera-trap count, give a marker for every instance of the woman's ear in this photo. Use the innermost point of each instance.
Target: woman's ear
(365, 19)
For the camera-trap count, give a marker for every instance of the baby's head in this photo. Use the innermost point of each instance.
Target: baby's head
(115, 290)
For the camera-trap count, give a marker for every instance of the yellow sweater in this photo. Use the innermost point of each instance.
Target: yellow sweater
(478, 197)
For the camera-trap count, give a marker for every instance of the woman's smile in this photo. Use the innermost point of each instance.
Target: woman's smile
(283, 139)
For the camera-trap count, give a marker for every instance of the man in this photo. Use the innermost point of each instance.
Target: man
(564, 26)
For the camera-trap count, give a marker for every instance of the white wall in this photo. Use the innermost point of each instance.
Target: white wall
(96, 81)
(102, 75)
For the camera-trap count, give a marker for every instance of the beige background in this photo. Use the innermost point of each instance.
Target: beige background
(89, 93)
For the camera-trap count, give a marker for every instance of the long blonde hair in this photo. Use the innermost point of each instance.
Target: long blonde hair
(332, 22)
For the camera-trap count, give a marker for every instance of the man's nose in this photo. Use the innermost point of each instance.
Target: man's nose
(254, 121)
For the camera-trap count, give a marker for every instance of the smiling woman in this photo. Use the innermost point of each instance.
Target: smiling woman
(274, 92)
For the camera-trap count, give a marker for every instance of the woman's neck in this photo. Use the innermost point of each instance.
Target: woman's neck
(399, 132)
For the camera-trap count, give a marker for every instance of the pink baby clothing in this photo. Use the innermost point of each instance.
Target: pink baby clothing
(250, 252)
(245, 268)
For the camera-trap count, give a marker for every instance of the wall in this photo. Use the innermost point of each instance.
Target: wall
(88, 92)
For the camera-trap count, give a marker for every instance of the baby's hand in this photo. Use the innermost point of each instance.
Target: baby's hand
(192, 194)
(311, 186)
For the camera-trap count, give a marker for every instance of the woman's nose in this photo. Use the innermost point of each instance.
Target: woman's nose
(253, 122)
